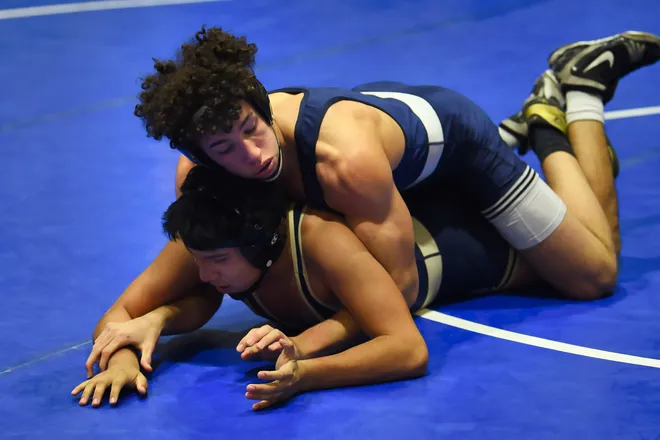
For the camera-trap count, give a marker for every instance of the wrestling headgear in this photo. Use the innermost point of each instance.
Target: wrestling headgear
(261, 247)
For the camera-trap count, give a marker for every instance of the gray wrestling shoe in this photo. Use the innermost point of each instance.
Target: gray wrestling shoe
(545, 94)
(597, 66)
(516, 126)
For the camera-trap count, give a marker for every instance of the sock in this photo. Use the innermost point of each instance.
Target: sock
(507, 137)
(546, 140)
(581, 106)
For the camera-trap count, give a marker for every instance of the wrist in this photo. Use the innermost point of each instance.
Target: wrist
(124, 356)
(305, 382)
(301, 351)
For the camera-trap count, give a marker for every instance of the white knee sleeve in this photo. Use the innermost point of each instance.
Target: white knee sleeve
(528, 213)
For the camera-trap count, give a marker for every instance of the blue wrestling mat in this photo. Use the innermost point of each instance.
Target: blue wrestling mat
(82, 191)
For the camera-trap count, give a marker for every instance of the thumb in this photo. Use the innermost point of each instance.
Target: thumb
(145, 359)
(141, 384)
(288, 348)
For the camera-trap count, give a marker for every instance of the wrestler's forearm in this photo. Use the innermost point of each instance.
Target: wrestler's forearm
(395, 254)
(124, 356)
(328, 337)
(172, 275)
(381, 359)
(187, 314)
(391, 241)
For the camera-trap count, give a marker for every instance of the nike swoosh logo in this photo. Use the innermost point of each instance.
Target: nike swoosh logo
(600, 59)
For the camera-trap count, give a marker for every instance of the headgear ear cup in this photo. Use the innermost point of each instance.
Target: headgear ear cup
(261, 257)
(264, 253)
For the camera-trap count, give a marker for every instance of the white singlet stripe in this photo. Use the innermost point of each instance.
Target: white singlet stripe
(431, 122)
(428, 246)
(296, 243)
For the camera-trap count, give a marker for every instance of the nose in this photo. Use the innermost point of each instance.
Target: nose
(252, 153)
(206, 273)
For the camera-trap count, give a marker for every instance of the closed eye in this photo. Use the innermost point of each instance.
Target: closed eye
(254, 127)
(226, 150)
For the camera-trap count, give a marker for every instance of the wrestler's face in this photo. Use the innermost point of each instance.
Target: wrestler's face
(225, 269)
(250, 150)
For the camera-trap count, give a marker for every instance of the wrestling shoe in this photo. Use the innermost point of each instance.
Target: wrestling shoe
(597, 66)
(516, 126)
(544, 104)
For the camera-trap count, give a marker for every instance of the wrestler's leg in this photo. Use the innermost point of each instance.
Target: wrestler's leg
(589, 73)
(558, 226)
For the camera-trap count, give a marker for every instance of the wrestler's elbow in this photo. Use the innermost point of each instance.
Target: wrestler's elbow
(411, 353)
(416, 358)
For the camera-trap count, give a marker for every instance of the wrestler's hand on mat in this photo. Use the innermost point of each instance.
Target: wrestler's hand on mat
(263, 341)
(285, 379)
(116, 377)
(142, 333)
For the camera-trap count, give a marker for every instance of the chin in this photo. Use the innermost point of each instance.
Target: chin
(233, 289)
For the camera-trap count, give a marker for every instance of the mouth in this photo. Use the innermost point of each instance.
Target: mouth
(266, 168)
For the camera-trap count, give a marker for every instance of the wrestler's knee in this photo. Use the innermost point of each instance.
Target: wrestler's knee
(598, 280)
(575, 263)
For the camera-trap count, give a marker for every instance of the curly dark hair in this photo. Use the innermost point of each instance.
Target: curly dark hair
(215, 209)
(214, 69)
